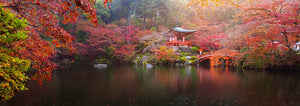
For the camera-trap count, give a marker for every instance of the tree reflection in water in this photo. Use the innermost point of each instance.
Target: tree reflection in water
(162, 85)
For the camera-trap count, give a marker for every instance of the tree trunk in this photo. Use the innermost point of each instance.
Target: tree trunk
(99, 5)
(151, 25)
(144, 23)
(287, 40)
(155, 23)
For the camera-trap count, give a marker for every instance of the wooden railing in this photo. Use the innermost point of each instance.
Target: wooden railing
(178, 43)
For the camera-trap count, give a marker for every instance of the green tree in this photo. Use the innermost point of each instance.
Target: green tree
(103, 14)
(195, 49)
(12, 69)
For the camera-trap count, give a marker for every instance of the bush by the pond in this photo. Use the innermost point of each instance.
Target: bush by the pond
(166, 55)
(144, 59)
(183, 59)
(193, 58)
(183, 54)
(262, 57)
(194, 49)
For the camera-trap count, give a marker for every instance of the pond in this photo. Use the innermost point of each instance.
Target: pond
(162, 85)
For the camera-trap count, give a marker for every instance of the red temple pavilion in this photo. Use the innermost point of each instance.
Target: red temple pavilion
(177, 37)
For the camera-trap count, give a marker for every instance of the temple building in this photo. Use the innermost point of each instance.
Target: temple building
(177, 37)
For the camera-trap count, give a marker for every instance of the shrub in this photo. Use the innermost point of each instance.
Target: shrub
(193, 58)
(194, 49)
(165, 54)
(182, 59)
(183, 54)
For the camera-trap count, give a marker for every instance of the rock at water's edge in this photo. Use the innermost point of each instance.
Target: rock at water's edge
(100, 66)
(148, 66)
(188, 57)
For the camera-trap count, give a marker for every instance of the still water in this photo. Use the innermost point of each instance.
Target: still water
(162, 85)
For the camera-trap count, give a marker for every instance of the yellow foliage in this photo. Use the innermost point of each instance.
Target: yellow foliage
(12, 69)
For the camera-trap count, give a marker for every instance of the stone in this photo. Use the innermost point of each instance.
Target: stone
(144, 60)
(148, 66)
(100, 66)
(188, 57)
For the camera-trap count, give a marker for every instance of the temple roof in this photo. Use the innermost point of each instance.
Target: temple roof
(178, 29)
(181, 31)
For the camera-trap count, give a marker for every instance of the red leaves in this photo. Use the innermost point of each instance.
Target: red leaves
(270, 32)
(272, 19)
(208, 42)
(124, 51)
(101, 37)
(39, 52)
(42, 16)
(105, 3)
(122, 40)
(208, 35)
(165, 54)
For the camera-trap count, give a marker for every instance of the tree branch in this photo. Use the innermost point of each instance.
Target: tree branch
(20, 4)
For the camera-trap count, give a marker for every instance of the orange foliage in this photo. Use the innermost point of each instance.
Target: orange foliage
(199, 6)
(165, 54)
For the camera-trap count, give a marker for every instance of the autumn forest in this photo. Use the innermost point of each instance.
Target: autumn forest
(40, 38)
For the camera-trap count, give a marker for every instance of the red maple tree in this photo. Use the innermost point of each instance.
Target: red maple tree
(209, 33)
(45, 33)
(273, 20)
(122, 40)
(273, 26)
